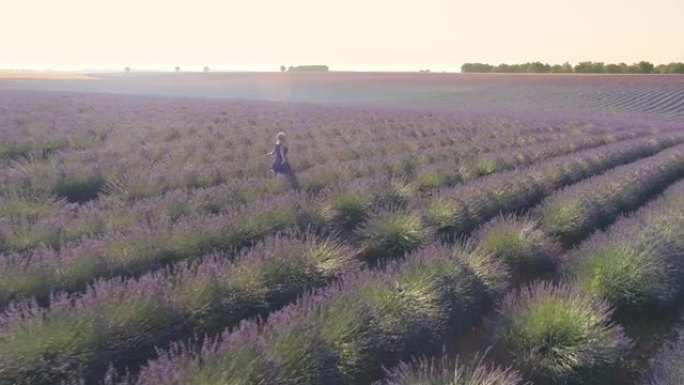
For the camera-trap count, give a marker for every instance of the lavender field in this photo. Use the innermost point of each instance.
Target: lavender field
(443, 229)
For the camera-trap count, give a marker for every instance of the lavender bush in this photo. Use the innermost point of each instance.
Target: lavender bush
(450, 372)
(573, 211)
(637, 263)
(667, 364)
(134, 230)
(347, 333)
(555, 335)
(125, 320)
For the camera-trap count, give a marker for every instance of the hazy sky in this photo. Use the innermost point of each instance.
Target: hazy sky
(345, 34)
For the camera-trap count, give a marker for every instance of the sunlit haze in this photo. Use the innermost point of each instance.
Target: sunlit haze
(391, 35)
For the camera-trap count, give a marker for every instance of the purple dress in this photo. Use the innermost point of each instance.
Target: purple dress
(280, 164)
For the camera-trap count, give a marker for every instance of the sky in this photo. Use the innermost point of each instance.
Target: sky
(390, 35)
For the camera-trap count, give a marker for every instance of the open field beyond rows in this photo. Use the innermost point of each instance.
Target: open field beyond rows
(606, 94)
(530, 225)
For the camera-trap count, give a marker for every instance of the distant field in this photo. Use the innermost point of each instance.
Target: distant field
(662, 95)
(44, 75)
(137, 218)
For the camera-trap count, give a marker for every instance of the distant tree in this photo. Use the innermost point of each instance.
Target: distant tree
(309, 68)
(177, 69)
(477, 67)
(283, 68)
(503, 68)
(206, 69)
(613, 68)
(567, 68)
(645, 67)
(538, 67)
(583, 67)
(127, 69)
(675, 68)
(290, 68)
(517, 68)
(627, 69)
(588, 67)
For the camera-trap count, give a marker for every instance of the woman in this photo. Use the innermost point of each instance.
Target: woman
(280, 164)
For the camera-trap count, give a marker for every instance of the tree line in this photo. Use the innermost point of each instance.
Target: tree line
(305, 68)
(586, 67)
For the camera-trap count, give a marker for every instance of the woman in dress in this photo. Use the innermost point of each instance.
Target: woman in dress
(280, 163)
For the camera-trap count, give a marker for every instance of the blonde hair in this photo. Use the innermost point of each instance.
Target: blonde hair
(280, 136)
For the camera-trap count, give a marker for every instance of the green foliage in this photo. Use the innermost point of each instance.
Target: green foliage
(448, 216)
(521, 244)
(242, 366)
(20, 283)
(446, 371)
(200, 300)
(671, 68)
(349, 328)
(395, 194)
(558, 336)
(80, 187)
(441, 291)
(477, 67)
(478, 167)
(404, 330)
(23, 237)
(346, 208)
(588, 67)
(392, 234)
(134, 322)
(628, 277)
(29, 208)
(14, 150)
(566, 218)
(493, 275)
(327, 255)
(585, 67)
(43, 351)
(428, 180)
(309, 68)
(301, 356)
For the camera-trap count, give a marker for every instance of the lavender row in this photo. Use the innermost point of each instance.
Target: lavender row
(206, 307)
(638, 263)
(558, 336)
(635, 266)
(493, 265)
(19, 208)
(72, 268)
(447, 371)
(53, 230)
(572, 212)
(296, 347)
(205, 298)
(518, 245)
(22, 211)
(151, 247)
(457, 210)
(667, 368)
(122, 322)
(345, 334)
(227, 139)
